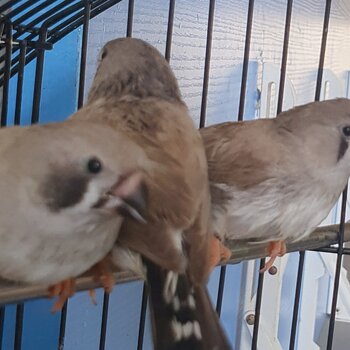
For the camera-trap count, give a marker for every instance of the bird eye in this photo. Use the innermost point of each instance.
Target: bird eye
(346, 131)
(94, 165)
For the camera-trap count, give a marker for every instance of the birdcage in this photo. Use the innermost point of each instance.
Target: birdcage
(234, 60)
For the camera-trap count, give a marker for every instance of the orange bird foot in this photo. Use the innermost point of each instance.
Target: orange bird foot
(63, 290)
(102, 273)
(275, 249)
(218, 253)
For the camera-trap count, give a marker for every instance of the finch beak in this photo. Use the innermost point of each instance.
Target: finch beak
(129, 196)
(135, 204)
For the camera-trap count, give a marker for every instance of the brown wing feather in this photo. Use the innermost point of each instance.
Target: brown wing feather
(176, 175)
(236, 155)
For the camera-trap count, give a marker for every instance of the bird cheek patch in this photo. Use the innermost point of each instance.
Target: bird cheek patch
(61, 191)
(343, 146)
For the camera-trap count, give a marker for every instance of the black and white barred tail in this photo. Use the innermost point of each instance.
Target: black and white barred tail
(182, 315)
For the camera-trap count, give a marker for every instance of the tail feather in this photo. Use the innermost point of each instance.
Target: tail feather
(183, 317)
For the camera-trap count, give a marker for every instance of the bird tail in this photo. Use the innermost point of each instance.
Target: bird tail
(183, 317)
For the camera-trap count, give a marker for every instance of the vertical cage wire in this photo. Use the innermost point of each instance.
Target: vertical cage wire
(207, 63)
(62, 330)
(221, 289)
(7, 69)
(297, 296)
(143, 313)
(169, 33)
(248, 35)
(19, 326)
(258, 306)
(39, 76)
(337, 271)
(20, 76)
(284, 56)
(105, 307)
(104, 320)
(323, 49)
(84, 42)
(2, 319)
(130, 18)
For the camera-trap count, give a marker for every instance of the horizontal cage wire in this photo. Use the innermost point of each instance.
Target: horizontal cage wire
(30, 31)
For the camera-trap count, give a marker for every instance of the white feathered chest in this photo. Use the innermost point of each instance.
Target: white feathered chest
(278, 208)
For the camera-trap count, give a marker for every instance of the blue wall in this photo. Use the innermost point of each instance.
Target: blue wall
(59, 90)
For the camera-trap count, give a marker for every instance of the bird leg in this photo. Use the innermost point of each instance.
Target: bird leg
(63, 290)
(218, 253)
(275, 249)
(101, 272)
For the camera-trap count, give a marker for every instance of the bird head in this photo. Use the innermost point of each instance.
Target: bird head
(129, 66)
(75, 173)
(322, 134)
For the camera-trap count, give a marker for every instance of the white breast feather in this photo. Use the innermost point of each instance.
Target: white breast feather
(267, 212)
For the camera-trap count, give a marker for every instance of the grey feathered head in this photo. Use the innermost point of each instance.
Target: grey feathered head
(320, 128)
(77, 167)
(130, 66)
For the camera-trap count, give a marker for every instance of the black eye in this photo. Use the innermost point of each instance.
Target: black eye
(94, 165)
(104, 53)
(346, 130)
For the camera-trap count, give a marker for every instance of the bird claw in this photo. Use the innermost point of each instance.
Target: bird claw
(275, 249)
(218, 253)
(102, 273)
(92, 295)
(63, 290)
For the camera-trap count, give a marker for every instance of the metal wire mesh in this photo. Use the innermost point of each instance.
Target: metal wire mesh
(30, 28)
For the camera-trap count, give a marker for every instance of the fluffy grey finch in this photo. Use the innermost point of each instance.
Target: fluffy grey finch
(275, 180)
(65, 188)
(136, 85)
